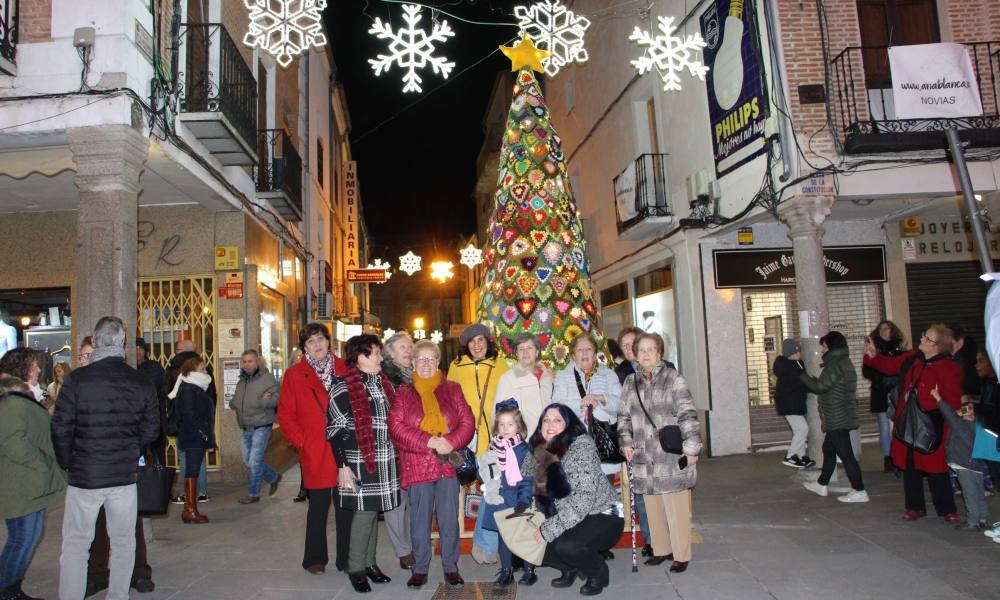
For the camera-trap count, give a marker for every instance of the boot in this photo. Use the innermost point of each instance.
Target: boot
(504, 578)
(191, 514)
(887, 466)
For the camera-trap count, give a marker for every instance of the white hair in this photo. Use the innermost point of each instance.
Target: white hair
(109, 333)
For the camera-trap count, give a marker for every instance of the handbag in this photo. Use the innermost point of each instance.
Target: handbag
(518, 532)
(670, 437)
(984, 447)
(170, 427)
(917, 428)
(605, 434)
(464, 462)
(153, 483)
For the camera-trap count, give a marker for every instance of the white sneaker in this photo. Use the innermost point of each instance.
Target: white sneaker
(993, 531)
(812, 486)
(854, 496)
(840, 489)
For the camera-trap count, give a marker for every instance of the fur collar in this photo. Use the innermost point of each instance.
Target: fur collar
(551, 482)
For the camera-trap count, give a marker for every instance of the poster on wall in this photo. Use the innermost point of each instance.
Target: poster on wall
(934, 81)
(737, 105)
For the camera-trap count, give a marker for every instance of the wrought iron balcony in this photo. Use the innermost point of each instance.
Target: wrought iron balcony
(278, 173)
(641, 201)
(218, 93)
(8, 36)
(861, 103)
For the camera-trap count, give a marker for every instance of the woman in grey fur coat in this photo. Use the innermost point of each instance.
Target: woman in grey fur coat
(654, 396)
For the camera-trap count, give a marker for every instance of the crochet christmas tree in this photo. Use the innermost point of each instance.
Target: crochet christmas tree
(537, 273)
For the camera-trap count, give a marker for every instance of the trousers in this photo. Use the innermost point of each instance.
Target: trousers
(316, 552)
(670, 524)
(254, 446)
(426, 499)
(79, 521)
(913, 489)
(837, 443)
(364, 540)
(23, 535)
(100, 553)
(397, 522)
(579, 547)
(800, 433)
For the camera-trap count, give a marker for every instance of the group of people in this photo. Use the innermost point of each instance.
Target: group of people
(944, 374)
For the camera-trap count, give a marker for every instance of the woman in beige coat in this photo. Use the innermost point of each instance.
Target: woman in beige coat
(660, 394)
(529, 381)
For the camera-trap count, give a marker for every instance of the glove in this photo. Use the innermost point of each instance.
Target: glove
(520, 507)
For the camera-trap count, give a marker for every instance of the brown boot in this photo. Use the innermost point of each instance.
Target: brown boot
(191, 514)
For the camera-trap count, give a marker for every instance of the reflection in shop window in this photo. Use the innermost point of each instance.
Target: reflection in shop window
(273, 332)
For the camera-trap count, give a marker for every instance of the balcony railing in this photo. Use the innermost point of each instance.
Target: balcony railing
(218, 87)
(278, 174)
(641, 199)
(8, 35)
(861, 103)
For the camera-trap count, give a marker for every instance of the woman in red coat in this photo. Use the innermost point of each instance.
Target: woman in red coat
(927, 368)
(302, 412)
(428, 421)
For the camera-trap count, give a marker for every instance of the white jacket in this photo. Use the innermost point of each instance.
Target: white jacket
(532, 394)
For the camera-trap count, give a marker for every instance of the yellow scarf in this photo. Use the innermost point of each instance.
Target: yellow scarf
(433, 421)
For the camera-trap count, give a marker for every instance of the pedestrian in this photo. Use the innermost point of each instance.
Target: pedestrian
(398, 367)
(889, 341)
(32, 481)
(655, 396)
(302, 414)
(106, 415)
(919, 371)
(368, 478)
(428, 421)
(510, 443)
(837, 388)
(59, 373)
(171, 373)
(86, 351)
(790, 402)
(579, 504)
(195, 428)
(529, 381)
(963, 352)
(478, 370)
(255, 402)
(22, 363)
(970, 471)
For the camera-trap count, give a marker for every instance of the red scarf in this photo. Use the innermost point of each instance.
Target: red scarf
(361, 407)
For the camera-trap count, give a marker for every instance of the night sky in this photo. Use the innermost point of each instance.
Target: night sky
(418, 170)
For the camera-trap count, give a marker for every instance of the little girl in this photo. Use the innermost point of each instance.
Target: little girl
(510, 446)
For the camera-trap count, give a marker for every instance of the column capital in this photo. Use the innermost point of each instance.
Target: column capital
(805, 215)
(109, 158)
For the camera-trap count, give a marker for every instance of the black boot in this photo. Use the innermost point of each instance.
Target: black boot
(887, 466)
(504, 578)
(528, 577)
(565, 579)
(360, 582)
(593, 587)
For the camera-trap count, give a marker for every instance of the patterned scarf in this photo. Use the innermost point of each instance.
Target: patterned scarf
(361, 408)
(323, 368)
(433, 422)
(506, 459)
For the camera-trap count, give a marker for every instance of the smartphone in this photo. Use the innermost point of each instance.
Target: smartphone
(683, 462)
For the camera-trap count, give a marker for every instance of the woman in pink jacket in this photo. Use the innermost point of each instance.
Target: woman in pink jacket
(428, 421)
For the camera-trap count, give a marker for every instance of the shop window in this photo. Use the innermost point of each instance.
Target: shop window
(38, 319)
(655, 311)
(273, 331)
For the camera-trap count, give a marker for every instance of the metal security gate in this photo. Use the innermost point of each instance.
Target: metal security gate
(171, 309)
(946, 292)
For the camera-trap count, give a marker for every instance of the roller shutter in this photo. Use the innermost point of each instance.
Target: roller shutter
(947, 292)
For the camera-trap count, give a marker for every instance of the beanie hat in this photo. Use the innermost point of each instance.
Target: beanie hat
(142, 343)
(471, 332)
(789, 347)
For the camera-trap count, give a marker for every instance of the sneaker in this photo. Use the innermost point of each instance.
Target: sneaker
(204, 498)
(806, 462)
(993, 531)
(792, 461)
(816, 488)
(178, 499)
(854, 496)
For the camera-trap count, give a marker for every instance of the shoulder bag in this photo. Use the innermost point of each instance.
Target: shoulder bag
(518, 532)
(669, 435)
(464, 460)
(917, 428)
(605, 434)
(153, 488)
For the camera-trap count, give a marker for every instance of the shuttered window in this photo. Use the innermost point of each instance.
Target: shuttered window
(949, 292)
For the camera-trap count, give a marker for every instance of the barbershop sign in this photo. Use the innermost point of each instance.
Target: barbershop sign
(775, 267)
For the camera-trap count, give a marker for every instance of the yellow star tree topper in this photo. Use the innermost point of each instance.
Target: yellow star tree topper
(525, 54)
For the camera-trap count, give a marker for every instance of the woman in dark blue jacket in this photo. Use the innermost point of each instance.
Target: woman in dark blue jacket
(195, 428)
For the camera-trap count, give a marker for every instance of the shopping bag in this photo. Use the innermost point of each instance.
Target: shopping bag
(518, 532)
(985, 445)
(153, 485)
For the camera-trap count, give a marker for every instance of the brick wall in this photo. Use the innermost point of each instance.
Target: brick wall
(34, 21)
(286, 99)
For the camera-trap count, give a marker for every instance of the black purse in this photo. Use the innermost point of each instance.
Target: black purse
(919, 429)
(153, 483)
(465, 465)
(604, 434)
(670, 437)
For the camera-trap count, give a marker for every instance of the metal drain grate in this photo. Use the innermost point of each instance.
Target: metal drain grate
(474, 590)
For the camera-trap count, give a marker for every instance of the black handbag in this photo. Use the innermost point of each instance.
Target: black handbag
(171, 427)
(604, 434)
(670, 437)
(917, 428)
(153, 483)
(465, 464)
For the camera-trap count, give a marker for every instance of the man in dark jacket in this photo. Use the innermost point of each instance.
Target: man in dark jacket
(790, 402)
(255, 402)
(106, 415)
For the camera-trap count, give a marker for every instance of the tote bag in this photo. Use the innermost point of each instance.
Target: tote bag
(153, 488)
(518, 532)
(917, 428)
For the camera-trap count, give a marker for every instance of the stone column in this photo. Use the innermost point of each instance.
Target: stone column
(804, 216)
(109, 161)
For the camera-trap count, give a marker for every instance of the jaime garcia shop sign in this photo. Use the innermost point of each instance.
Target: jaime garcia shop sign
(737, 105)
(775, 267)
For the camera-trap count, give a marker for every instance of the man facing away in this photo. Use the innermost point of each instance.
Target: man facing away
(255, 403)
(106, 415)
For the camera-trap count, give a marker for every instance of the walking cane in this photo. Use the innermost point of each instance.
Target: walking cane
(631, 511)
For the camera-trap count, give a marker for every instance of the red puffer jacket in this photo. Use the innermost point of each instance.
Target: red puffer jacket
(418, 463)
(302, 410)
(940, 371)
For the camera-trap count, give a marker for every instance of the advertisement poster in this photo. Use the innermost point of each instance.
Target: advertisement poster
(737, 105)
(934, 81)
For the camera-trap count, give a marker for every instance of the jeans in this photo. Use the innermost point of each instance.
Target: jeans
(640, 515)
(202, 474)
(976, 508)
(254, 446)
(194, 460)
(484, 540)
(79, 519)
(23, 534)
(837, 443)
(884, 432)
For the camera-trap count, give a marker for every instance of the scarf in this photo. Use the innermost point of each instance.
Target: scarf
(433, 421)
(106, 352)
(323, 368)
(202, 380)
(506, 459)
(361, 409)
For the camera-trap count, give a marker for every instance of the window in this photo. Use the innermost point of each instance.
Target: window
(886, 23)
(320, 164)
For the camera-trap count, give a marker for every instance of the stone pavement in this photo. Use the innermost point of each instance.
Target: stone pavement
(764, 537)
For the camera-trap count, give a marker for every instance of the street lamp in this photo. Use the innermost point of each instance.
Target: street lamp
(442, 271)
(418, 323)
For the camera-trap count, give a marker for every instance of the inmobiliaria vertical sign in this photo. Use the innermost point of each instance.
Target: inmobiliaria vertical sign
(350, 211)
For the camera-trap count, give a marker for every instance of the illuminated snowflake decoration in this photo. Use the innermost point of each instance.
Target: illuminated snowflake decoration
(554, 28)
(388, 333)
(471, 256)
(409, 263)
(442, 271)
(285, 28)
(419, 334)
(411, 48)
(670, 54)
(437, 337)
(378, 264)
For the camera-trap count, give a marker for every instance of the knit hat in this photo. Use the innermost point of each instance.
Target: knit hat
(142, 343)
(789, 347)
(471, 332)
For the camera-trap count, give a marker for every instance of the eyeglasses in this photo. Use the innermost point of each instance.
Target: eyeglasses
(83, 355)
(427, 359)
(924, 336)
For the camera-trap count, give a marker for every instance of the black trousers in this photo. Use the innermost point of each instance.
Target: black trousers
(578, 548)
(316, 519)
(913, 489)
(838, 443)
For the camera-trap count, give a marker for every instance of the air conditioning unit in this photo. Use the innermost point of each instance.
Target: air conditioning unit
(324, 305)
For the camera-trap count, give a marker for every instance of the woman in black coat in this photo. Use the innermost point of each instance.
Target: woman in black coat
(195, 428)
(790, 402)
(889, 341)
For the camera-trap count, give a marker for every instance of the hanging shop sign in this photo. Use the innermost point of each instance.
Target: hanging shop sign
(775, 267)
(366, 275)
(934, 81)
(349, 210)
(737, 105)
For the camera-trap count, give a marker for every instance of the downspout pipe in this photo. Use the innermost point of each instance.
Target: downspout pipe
(785, 130)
